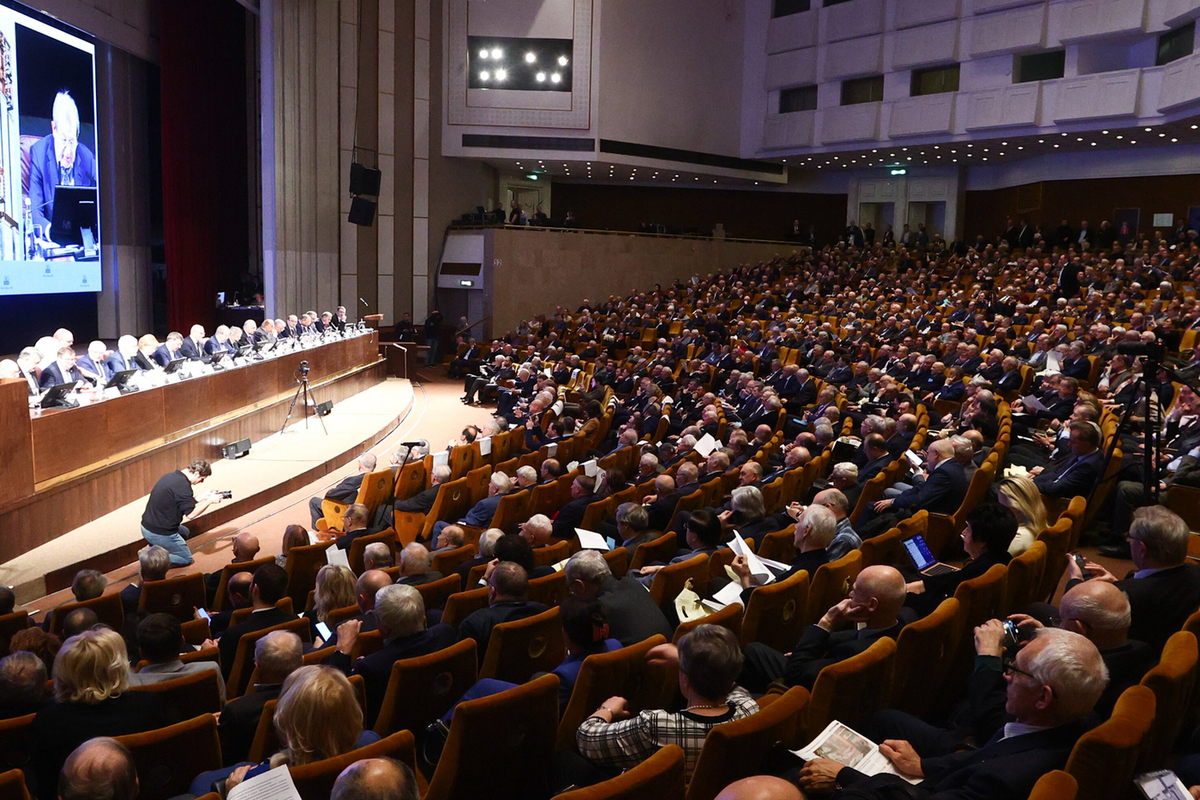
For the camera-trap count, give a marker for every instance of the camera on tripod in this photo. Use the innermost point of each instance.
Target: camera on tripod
(304, 370)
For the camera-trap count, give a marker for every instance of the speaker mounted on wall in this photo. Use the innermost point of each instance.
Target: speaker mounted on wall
(364, 180)
(364, 186)
(362, 212)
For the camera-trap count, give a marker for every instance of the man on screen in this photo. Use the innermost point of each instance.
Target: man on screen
(58, 160)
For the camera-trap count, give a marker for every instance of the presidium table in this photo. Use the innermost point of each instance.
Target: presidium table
(62, 468)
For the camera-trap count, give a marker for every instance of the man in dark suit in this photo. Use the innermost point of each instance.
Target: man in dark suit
(61, 370)
(1165, 589)
(508, 588)
(193, 346)
(347, 490)
(876, 599)
(58, 160)
(942, 492)
(94, 365)
(661, 507)
(1068, 279)
(1049, 705)
(218, 344)
(1075, 476)
(27, 364)
(632, 614)
(570, 516)
(415, 560)
(276, 655)
(422, 501)
(266, 589)
(401, 614)
(878, 457)
(170, 350)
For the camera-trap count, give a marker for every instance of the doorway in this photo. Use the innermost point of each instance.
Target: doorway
(879, 215)
(931, 215)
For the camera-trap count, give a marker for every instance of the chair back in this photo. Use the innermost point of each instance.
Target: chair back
(453, 501)
(435, 593)
(550, 554)
(547, 499)
(1056, 785)
(775, 614)
(284, 604)
(1024, 578)
(448, 561)
(851, 690)
(871, 492)
(462, 460)
(688, 503)
(549, 590)
(779, 545)
(1105, 759)
(243, 662)
(477, 482)
(1171, 681)
(621, 673)
(424, 688)
(227, 572)
(771, 494)
(618, 562)
(461, 605)
(511, 511)
(831, 585)
(659, 777)
(108, 610)
(670, 580)
(188, 695)
(661, 549)
(315, 781)
(408, 526)
(522, 648)
(168, 759)
(16, 742)
(979, 600)
(358, 546)
(303, 564)
(376, 489)
(517, 760)
(596, 513)
(12, 783)
(729, 617)
(11, 624)
(412, 479)
(738, 749)
(887, 548)
(1076, 510)
(1057, 539)
(923, 653)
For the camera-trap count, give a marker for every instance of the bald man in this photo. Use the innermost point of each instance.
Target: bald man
(245, 548)
(99, 769)
(761, 787)
(876, 600)
(941, 492)
(365, 588)
(375, 779)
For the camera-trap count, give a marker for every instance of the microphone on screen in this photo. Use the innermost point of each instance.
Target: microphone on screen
(364, 302)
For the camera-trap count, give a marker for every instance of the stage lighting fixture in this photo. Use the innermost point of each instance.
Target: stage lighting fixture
(530, 58)
(236, 449)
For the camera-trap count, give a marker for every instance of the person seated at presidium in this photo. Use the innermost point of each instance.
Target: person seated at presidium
(58, 160)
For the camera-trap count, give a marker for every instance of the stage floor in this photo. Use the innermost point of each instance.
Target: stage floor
(389, 413)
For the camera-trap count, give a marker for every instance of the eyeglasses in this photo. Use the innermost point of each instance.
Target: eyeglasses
(1010, 666)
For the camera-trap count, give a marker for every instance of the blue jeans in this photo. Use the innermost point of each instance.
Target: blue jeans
(432, 358)
(175, 545)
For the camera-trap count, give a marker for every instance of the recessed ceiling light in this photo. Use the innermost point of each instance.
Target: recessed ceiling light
(485, 75)
(497, 52)
(1041, 141)
(540, 77)
(1161, 135)
(1133, 141)
(555, 78)
(1105, 133)
(1093, 144)
(1064, 134)
(1148, 130)
(562, 61)
(530, 58)
(483, 53)
(1174, 140)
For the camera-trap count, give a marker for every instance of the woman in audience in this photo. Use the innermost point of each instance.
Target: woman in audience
(709, 658)
(1021, 496)
(318, 717)
(335, 589)
(989, 532)
(35, 640)
(293, 536)
(91, 698)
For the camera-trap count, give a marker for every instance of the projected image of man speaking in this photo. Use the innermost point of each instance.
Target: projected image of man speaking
(58, 160)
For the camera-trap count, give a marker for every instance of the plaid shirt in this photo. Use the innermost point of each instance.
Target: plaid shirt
(628, 743)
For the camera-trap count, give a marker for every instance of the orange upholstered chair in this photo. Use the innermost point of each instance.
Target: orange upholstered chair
(424, 688)
(522, 648)
(315, 781)
(775, 614)
(923, 653)
(728, 617)
(831, 585)
(659, 777)
(187, 696)
(176, 596)
(168, 759)
(1056, 785)
(1171, 681)
(851, 690)
(1105, 759)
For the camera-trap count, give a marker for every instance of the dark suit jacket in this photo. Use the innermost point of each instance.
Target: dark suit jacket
(570, 517)
(239, 721)
(257, 621)
(941, 493)
(347, 490)
(44, 176)
(376, 668)
(53, 375)
(632, 614)
(1160, 603)
(479, 624)
(819, 648)
(939, 587)
(101, 370)
(421, 501)
(1071, 477)
(190, 349)
(873, 468)
(660, 512)
(213, 347)
(164, 356)
(1001, 770)
(417, 580)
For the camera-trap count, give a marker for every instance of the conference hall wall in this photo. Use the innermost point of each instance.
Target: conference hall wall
(745, 214)
(1047, 203)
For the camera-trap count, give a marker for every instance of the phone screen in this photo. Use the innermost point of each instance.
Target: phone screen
(323, 629)
(204, 614)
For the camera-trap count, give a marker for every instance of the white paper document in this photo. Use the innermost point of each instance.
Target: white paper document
(590, 468)
(732, 593)
(705, 445)
(1032, 404)
(485, 446)
(759, 574)
(590, 540)
(841, 744)
(274, 784)
(441, 459)
(337, 557)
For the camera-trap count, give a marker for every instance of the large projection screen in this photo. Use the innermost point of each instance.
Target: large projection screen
(49, 175)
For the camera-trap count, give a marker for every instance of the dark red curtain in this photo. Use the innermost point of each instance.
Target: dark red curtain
(204, 155)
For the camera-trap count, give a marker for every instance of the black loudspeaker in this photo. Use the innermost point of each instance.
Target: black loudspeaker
(362, 212)
(325, 409)
(364, 180)
(236, 449)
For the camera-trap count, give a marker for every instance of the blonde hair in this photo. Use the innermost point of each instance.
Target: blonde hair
(334, 589)
(317, 717)
(91, 667)
(1026, 503)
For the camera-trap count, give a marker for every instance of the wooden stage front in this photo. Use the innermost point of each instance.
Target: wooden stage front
(63, 468)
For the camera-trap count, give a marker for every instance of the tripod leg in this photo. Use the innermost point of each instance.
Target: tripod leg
(291, 408)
